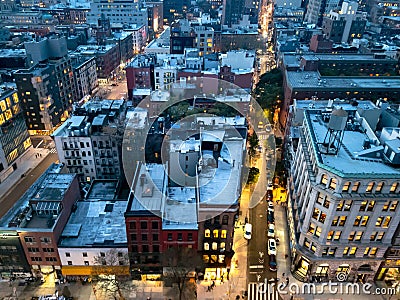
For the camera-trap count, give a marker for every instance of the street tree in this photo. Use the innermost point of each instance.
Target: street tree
(110, 275)
(254, 173)
(253, 144)
(179, 266)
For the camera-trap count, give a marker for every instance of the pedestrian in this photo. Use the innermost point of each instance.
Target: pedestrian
(283, 274)
(286, 256)
(222, 279)
(209, 288)
(287, 280)
(213, 284)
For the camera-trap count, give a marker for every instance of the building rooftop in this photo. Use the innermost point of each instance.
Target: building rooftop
(102, 189)
(98, 223)
(45, 194)
(353, 158)
(312, 79)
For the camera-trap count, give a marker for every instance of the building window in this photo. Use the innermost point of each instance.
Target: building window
(324, 179)
(346, 187)
(207, 233)
(86, 263)
(154, 225)
(69, 263)
(380, 235)
(332, 184)
(169, 236)
(358, 236)
(379, 187)
(29, 239)
(351, 236)
(84, 254)
(393, 188)
(364, 221)
(386, 206)
(133, 237)
(155, 237)
(371, 205)
(214, 246)
(223, 234)
(370, 187)
(355, 187)
(393, 206)
(45, 240)
(156, 248)
(67, 254)
(225, 220)
(215, 233)
(206, 246)
(144, 237)
(179, 236)
(337, 235)
(143, 225)
(320, 198)
(132, 225)
(145, 248)
(190, 236)
(332, 251)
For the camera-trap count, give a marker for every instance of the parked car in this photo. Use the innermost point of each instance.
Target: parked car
(270, 217)
(271, 230)
(271, 247)
(247, 231)
(272, 263)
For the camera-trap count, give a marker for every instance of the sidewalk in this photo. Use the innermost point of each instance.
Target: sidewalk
(26, 163)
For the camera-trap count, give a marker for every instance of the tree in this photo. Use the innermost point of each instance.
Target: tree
(179, 264)
(111, 274)
(253, 144)
(254, 173)
(269, 90)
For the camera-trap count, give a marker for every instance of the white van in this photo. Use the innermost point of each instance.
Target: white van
(247, 231)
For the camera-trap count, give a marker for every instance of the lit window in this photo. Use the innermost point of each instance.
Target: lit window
(215, 233)
(207, 233)
(355, 187)
(370, 187)
(324, 179)
(379, 187)
(223, 234)
(346, 187)
(393, 188)
(332, 184)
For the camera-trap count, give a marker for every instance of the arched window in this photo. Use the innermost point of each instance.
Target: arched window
(206, 246)
(324, 179)
(225, 220)
(215, 233)
(332, 184)
(207, 233)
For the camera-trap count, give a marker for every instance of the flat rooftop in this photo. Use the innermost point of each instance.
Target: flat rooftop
(102, 189)
(313, 80)
(95, 224)
(222, 185)
(22, 205)
(350, 160)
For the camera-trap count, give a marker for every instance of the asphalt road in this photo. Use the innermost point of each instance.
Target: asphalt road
(20, 187)
(258, 258)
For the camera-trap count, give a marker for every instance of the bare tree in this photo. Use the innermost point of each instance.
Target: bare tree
(111, 274)
(180, 265)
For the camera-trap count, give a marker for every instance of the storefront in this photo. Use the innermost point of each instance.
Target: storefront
(215, 273)
(390, 273)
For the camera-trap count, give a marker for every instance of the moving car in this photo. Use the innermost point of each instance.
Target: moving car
(247, 231)
(272, 263)
(271, 230)
(271, 247)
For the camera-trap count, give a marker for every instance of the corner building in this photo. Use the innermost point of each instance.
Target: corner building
(343, 192)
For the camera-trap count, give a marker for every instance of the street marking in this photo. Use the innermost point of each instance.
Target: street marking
(257, 291)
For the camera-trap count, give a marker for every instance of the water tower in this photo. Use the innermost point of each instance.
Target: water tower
(334, 136)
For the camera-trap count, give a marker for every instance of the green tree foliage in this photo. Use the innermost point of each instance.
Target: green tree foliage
(253, 144)
(269, 90)
(254, 173)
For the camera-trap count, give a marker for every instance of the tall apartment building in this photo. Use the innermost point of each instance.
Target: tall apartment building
(89, 143)
(318, 9)
(39, 93)
(344, 25)
(178, 204)
(14, 140)
(118, 11)
(233, 11)
(343, 190)
(39, 217)
(85, 75)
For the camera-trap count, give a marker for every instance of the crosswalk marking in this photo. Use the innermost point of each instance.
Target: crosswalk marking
(54, 150)
(261, 291)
